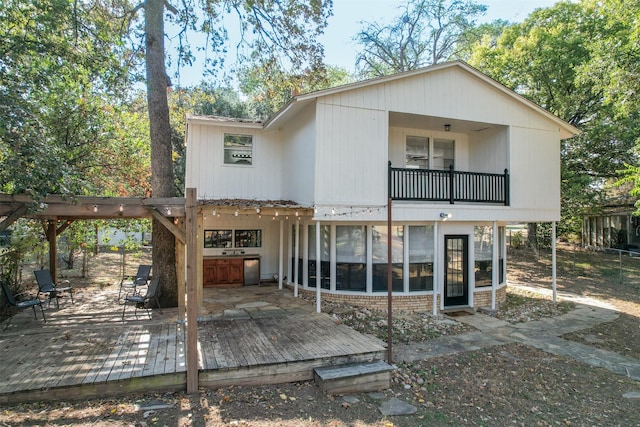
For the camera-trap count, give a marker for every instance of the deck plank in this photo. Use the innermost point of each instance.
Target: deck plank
(112, 356)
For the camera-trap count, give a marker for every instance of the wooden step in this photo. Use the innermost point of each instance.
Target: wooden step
(354, 377)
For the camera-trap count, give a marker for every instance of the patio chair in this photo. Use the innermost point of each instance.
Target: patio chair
(133, 282)
(142, 301)
(14, 301)
(46, 285)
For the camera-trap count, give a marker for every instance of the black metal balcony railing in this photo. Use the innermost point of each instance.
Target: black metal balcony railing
(448, 186)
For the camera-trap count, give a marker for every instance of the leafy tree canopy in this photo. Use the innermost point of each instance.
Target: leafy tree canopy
(426, 32)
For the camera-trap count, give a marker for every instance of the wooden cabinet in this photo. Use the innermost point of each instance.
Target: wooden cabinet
(222, 272)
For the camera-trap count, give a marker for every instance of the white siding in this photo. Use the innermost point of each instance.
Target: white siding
(270, 238)
(452, 92)
(207, 172)
(351, 158)
(488, 150)
(535, 172)
(298, 162)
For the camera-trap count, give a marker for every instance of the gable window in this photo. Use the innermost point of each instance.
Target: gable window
(238, 149)
(417, 150)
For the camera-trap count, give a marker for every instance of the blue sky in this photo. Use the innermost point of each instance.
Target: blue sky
(340, 49)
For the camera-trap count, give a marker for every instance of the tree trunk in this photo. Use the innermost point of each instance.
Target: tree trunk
(532, 236)
(163, 255)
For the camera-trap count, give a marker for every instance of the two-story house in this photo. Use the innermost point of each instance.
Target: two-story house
(303, 197)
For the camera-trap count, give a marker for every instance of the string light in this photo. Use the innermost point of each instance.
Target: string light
(355, 212)
(121, 208)
(169, 211)
(95, 208)
(235, 213)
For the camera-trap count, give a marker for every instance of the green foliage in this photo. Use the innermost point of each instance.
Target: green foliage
(551, 59)
(269, 88)
(59, 61)
(517, 240)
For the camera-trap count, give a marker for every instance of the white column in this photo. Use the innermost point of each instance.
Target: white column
(318, 268)
(281, 255)
(495, 268)
(436, 268)
(553, 259)
(296, 263)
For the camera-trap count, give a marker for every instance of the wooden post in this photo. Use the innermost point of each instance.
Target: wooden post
(181, 273)
(191, 218)
(53, 249)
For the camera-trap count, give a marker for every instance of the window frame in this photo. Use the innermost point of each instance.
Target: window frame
(243, 158)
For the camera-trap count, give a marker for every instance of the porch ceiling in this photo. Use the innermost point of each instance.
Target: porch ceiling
(416, 121)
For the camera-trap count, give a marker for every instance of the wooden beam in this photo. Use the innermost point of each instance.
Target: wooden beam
(64, 226)
(178, 234)
(192, 292)
(13, 217)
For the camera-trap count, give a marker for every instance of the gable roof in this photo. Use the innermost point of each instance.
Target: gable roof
(297, 103)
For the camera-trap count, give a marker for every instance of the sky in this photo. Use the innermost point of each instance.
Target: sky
(340, 49)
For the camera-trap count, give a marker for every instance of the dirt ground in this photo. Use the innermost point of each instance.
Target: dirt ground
(512, 384)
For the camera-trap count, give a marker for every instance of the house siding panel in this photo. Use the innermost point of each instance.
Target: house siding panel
(298, 166)
(215, 180)
(352, 156)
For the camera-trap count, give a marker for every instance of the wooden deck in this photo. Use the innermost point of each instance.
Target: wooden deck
(86, 350)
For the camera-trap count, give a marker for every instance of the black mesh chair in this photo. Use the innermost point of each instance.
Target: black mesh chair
(133, 282)
(15, 301)
(142, 301)
(47, 286)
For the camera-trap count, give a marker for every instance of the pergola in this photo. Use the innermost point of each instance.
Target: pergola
(56, 213)
(182, 216)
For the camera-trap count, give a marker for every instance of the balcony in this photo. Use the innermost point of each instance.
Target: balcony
(448, 186)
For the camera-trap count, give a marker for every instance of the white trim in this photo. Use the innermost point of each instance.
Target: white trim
(494, 264)
(553, 260)
(318, 268)
(436, 269)
(280, 255)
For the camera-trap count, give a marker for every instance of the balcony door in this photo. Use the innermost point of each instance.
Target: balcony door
(456, 273)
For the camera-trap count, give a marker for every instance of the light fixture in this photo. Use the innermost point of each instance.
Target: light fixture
(257, 210)
(447, 127)
(121, 208)
(95, 208)
(276, 213)
(214, 212)
(235, 213)
(333, 211)
(296, 213)
(168, 211)
(445, 215)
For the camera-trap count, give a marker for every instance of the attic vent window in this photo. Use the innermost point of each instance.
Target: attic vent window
(238, 149)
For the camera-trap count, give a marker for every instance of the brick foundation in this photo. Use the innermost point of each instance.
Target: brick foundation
(414, 303)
